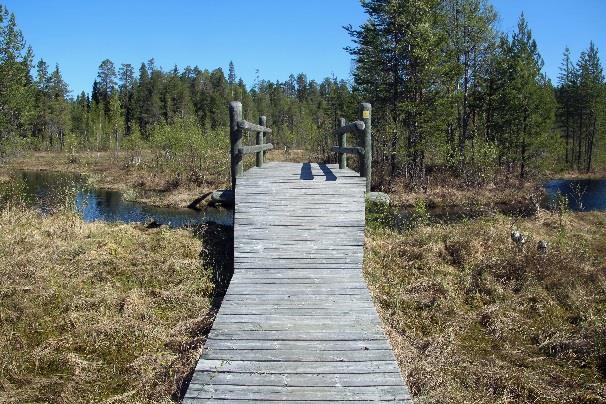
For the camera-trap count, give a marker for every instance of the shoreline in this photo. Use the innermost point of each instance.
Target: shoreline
(105, 171)
(143, 184)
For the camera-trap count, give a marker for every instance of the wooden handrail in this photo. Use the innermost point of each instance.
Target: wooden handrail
(362, 128)
(354, 127)
(255, 149)
(245, 125)
(236, 126)
(348, 150)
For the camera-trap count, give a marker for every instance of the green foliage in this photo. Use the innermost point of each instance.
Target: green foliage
(420, 213)
(582, 109)
(189, 151)
(16, 91)
(448, 90)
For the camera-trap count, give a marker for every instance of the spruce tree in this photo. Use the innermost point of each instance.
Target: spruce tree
(59, 107)
(126, 77)
(565, 95)
(591, 106)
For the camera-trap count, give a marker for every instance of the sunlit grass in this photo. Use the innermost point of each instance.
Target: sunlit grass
(474, 319)
(95, 311)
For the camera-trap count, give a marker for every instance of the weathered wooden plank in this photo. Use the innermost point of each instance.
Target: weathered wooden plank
(245, 366)
(300, 380)
(307, 393)
(297, 335)
(309, 324)
(303, 355)
(298, 345)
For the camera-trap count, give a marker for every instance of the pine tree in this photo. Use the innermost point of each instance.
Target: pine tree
(115, 122)
(149, 105)
(231, 80)
(396, 69)
(524, 107)
(42, 102)
(469, 25)
(16, 89)
(80, 120)
(106, 78)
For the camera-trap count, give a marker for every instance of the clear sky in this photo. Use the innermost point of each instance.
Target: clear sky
(277, 37)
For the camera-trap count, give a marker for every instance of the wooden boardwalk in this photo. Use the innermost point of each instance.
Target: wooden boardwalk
(297, 323)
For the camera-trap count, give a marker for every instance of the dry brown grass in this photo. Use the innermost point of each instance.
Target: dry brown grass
(145, 182)
(95, 312)
(444, 191)
(472, 319)
(293, 156)
(575, 175)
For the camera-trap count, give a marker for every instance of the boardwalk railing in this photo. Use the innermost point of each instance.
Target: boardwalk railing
(363, 129)
(237, 126)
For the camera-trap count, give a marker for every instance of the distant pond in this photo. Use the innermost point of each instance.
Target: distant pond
(582, 195)
(47, 190)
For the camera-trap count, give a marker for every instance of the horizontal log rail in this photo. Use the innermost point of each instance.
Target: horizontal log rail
(237, 126)
(356, 127)
(348, 150)
(245, 125)
(361, 128)
(255, 148)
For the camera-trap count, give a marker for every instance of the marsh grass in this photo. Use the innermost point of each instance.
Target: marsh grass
(474, 319)
(96, 312)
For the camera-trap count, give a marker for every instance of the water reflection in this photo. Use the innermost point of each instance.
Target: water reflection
(49, 190)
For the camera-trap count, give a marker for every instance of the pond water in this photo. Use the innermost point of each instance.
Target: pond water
(48, 190)
(582, 195)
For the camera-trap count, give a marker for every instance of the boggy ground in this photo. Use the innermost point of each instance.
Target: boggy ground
(97, 312)
(474, 319)
(443, 191)
(504, 193)
(140, 177)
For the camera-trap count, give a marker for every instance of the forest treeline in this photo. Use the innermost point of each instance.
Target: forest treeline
(450, 93)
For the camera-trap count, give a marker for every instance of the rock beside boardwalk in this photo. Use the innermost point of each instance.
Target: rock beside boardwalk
(378, 197)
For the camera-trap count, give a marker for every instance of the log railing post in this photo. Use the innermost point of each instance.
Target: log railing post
(235, 115)
(342, 157)
(260, 141)
(366, 166)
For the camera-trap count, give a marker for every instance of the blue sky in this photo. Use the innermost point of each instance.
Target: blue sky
(277, 37)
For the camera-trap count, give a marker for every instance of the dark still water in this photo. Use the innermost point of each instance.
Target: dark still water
(47, 191)
(582, 195)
